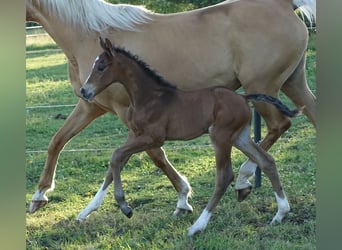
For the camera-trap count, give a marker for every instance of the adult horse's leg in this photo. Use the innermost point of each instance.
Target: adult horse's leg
(180, 183)
(297, 90)
(83, 114)
(224, 176)
(267, 165)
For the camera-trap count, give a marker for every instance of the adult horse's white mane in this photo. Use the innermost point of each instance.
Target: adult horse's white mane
(97, 15)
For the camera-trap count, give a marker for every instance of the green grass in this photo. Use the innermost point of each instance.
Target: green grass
(40, 42)
(79, 174)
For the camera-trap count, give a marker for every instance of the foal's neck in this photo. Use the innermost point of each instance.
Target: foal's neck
(142, 84)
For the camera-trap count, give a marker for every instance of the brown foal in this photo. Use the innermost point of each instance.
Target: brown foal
(159, 112)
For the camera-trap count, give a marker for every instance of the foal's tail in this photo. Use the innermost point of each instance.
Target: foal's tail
(277, 103)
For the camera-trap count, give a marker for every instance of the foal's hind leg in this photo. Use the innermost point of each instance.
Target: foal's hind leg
(180, 183)
(267, 165)
(276, 124)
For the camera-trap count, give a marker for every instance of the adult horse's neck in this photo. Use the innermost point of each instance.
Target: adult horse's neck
(140, 81)
(75, 26)
(67, 36)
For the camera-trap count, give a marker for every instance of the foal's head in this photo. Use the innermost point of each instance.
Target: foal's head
(105, 71)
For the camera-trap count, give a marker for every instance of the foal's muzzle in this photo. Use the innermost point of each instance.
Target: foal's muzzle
(86, 94)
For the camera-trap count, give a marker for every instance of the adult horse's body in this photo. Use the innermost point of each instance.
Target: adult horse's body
(159, 112)
(257, 44)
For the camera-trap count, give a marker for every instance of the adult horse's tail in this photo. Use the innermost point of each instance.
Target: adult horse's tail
(306, 8)
(276, 102)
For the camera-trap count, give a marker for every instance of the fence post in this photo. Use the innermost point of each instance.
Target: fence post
(257, 139)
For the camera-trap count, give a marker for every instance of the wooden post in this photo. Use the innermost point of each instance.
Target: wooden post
(257, 139)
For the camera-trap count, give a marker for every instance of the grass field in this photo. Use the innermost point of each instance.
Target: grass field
(84, 162)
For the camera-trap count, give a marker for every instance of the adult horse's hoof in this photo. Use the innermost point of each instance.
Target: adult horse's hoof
(35, 205)
(181, 211)
(241, 194)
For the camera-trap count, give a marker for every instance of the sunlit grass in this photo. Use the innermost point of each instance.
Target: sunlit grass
(40, 42)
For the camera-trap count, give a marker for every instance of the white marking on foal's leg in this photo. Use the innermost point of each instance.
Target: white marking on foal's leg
(183, 195)
(247, 170)
(200, 224)
(94, 204)
(283, 209)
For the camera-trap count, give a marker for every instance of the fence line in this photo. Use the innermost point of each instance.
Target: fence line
(34, 27)
(37, 35)
(43, 51)
(51, 106)
(81, 150)
(186, 146)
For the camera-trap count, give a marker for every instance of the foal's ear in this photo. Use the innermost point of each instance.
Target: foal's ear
(110, 48)
(102, 44)
(107, 46)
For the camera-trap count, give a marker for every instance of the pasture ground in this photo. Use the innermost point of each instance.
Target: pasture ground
(84, 162)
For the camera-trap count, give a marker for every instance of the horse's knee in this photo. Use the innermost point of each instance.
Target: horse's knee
(117, 158)
(55, 145)
(280, 127)
(275, 128)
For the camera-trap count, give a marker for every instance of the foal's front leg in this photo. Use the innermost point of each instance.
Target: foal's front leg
(97, 200)
(120, 157)
(179, 182)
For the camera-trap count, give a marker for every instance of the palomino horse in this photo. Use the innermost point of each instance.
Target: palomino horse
(257, 44)
(159, 112)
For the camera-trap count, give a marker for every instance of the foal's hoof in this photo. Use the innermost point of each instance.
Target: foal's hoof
(241, 194)
(35, 205)
(128, 211)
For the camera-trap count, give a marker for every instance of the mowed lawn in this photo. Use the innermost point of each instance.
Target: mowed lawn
(85, 159)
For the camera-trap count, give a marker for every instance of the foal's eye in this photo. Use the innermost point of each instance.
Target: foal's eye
(101, 67)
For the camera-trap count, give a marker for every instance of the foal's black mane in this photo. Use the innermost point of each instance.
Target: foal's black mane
(146, 68)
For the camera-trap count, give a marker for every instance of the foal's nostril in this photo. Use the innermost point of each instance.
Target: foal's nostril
(84, 93)
(87, 95)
